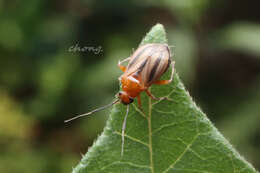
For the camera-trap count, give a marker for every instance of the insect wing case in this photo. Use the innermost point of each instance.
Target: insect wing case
(149, 62)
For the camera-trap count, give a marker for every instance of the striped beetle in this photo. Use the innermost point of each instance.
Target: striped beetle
(147, 64)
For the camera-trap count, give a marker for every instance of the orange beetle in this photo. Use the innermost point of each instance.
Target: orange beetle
(147, 64)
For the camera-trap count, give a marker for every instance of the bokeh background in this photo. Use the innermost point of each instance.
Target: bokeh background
(42, 82)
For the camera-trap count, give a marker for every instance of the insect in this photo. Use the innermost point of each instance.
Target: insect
(147, 64)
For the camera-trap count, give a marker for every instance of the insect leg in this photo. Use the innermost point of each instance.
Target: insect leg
(123, 68)
(156, 98)
(164, 82)
(150, 95)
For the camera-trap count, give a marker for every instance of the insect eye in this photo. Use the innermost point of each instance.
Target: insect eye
(131, 100)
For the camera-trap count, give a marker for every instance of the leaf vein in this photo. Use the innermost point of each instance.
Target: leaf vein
(167, 96)
(192, 170)
(132, 138)
(182, 154)
(164, 126)
(164, 112)
(126, 163)
(194, 152)
(149, 120)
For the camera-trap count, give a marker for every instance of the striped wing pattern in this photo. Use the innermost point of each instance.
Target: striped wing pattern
(148, 63)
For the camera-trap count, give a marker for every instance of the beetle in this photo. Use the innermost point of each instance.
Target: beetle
(147, 64)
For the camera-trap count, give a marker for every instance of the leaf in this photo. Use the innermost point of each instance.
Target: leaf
(170, 136)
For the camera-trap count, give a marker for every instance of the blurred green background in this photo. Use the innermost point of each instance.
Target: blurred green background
(42, 82)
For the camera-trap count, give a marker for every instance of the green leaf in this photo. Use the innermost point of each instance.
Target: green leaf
(169, 136)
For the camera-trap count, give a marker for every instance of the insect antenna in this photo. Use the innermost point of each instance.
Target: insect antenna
(123, 131)
(91, 112)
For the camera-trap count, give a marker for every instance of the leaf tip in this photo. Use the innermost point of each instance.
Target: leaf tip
(156, 35)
